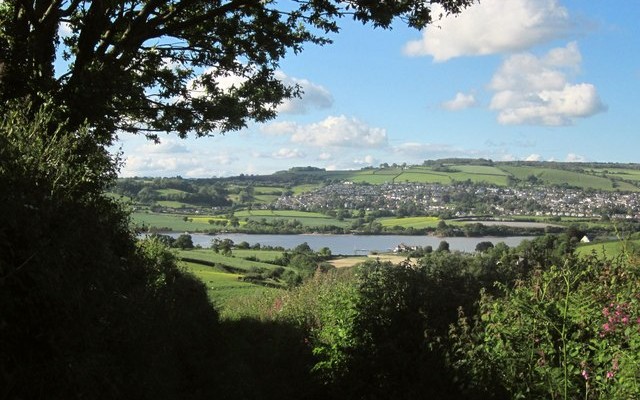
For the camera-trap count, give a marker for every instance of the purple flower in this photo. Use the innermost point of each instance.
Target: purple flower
(585, 374)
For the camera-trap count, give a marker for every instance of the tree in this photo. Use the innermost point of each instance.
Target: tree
(182, 66)
(443, 246)
(183, 241)
(482, 247)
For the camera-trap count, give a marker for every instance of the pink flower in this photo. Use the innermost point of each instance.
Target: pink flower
(606, 327)
(585, 374)
(610, 374)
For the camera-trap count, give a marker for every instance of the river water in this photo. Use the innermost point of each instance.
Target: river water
(353, 244)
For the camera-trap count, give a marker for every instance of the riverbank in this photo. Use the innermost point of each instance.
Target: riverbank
(352, 244)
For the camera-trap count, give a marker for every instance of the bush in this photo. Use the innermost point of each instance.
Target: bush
(571, 331)
(87, 313)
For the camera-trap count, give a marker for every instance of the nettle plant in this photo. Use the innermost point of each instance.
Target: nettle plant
(569, 331)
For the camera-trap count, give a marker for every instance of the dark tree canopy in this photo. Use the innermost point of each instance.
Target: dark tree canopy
(154, 66)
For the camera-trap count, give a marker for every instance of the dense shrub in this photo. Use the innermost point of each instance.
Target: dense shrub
(87, 313)
(570, 331)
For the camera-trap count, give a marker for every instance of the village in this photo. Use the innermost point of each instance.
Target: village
(463, 199)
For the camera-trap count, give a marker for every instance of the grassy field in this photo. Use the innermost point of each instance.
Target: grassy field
(414, 176)
(306, 218)
(552, 176)
(172, 204)
(174, 222)
(165, 192)
(414, 222)
(194, 223)
(236, 262)
(347, 262)
(611, 248)
(224, 287)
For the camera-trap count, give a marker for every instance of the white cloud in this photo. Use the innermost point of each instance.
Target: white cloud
(535, 90)
(460, 102)
(572, 157)
(339, 131)
(490, 27)
(286, 153)
(325, 156)
(533, 157)
(177, 163)
(313, 96)
(167, 146)
(279, 128)
(427, 150)
(367, 160)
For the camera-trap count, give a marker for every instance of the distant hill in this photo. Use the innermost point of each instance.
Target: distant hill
(179, 193)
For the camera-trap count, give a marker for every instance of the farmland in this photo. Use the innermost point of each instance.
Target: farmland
(396, 198)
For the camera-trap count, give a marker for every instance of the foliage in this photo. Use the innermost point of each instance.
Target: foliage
(570, 331)
(172, 66)
(86, 312)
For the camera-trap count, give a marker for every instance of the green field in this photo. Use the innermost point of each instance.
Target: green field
(304, 188)
(224, 287)
(173, 222)
(552, 176)
(165, 192)
(413, 222)
(611, 248)
(172, 204)
(306, 218)
(235, 261)
(413, 176)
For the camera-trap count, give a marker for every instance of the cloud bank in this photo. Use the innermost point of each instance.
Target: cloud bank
(333, 131)
(491, 27)
(536, 90)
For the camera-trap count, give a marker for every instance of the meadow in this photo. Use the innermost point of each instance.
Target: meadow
(410, 222)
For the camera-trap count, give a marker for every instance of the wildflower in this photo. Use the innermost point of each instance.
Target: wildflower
(610, 374)
(585, 374)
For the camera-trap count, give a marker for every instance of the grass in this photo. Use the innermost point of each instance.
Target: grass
(223, 287)
(414, 222)
(552, 176)
(311, 219)
(347, 262)
(611, 248)
(174, 222)
(172, 204)
(304, 188)
(166, 192)
(236, 263)
(423, 177)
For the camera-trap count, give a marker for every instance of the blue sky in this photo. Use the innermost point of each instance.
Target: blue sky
(506, 80)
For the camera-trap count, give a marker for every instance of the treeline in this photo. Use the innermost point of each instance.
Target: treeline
(186, 191)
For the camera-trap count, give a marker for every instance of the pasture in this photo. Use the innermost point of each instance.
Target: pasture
(410, 222)
(311, 219)
(172, 222)
(236, 262)
(223, 287)
(612, 248)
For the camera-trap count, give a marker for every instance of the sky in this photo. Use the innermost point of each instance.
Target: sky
(537, 80)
